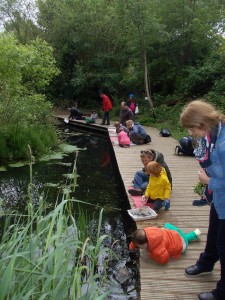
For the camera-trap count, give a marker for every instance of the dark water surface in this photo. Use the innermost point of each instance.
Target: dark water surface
(100, 184)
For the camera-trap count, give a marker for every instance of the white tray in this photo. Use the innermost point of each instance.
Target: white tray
(142, 213)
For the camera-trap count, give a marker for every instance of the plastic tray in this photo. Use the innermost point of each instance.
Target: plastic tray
(142, 213)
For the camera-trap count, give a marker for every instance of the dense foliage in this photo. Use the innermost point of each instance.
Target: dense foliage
(25, 115)
(104, 45)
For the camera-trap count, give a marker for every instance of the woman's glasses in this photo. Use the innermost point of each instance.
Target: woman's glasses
(146, 152)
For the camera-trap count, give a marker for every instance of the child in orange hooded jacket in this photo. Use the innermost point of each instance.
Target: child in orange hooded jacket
(163, 243)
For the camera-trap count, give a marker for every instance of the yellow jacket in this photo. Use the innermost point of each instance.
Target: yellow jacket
(158, 187)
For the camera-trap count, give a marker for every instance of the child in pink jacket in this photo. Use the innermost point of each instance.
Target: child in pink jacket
(123, 138)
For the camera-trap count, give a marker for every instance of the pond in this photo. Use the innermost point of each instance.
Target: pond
(99, 184)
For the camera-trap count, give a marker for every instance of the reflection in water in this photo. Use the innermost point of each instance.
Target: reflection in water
(97, 185)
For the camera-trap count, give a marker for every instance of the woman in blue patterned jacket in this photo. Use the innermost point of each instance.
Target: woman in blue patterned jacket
(206, 123)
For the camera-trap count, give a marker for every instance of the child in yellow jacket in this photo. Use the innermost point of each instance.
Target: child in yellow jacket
(163, 243)
(159, 188)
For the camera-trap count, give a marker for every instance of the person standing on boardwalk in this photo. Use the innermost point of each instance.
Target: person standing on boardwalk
(125, 113)
(106, 107)
(132, 104)
(205, 122)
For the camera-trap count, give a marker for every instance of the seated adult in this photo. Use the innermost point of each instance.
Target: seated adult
(75, 113)
(125, 113)
(186, 146)
(137, 133)
(141, 178)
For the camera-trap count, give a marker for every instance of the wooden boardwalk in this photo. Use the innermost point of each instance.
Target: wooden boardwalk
(168, 282)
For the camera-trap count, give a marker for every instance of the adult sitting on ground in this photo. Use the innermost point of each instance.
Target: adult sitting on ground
(141, 178)
(125, 113)
(75, 113)
(137, 133)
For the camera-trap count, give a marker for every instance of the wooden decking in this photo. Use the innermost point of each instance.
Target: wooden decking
(168, 282)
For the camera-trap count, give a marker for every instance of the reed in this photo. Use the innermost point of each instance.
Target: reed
(15, 138)
(53, 255)
(47, 257)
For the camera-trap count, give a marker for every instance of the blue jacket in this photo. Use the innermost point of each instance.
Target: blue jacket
(137, 128)
(216, 172)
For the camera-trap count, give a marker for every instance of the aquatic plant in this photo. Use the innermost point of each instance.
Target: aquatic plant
(14, 140)
(52, 255)
(49, 256)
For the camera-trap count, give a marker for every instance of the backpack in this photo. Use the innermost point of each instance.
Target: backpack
(165, 132)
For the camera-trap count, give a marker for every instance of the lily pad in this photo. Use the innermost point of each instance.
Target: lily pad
(50, 184)
(71, 175)
(66, 148)
(55, 155)
(3, 169)
(66, 190)
(18, 164)
(64, 164)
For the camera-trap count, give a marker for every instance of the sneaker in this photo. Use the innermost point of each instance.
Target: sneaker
(167, 204)
(197, 232)
(195, 270)
(177, 150)
(201, 202)
(135, 192)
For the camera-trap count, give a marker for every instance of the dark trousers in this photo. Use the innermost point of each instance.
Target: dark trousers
(106, 117)
(214, 251)
(157, 203)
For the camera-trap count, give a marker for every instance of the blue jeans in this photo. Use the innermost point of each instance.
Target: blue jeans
(141, 180)
(214, 251)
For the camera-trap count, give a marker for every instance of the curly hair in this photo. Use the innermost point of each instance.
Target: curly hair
(154, 168)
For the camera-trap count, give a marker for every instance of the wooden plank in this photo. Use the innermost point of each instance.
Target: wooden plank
(168, 282)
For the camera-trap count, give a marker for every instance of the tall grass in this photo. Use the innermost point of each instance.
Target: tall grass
(52, 256)
(14, 140)
(48, 258)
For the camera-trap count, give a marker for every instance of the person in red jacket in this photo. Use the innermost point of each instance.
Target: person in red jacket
(163, 243)
(106, 107)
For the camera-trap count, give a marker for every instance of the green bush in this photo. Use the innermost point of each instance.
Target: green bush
(14, 141)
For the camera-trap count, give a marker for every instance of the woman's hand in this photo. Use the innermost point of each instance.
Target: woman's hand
(203, 177)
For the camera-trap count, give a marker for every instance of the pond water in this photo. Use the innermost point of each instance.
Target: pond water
(98, 183)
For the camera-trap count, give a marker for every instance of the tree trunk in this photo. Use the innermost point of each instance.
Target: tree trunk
(147, 80)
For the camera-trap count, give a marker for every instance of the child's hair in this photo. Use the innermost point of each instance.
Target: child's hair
(154, 168)
(93, 111)
(139, 237)
(117, 124)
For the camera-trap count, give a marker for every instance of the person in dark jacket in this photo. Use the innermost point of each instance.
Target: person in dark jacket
(186, 146)
(141, 178)
(125, 113)
(75, 113)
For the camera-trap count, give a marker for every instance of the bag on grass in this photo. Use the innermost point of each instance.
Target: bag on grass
(165, 132)
(136, 109)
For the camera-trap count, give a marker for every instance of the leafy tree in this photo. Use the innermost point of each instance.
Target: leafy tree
(25, 71)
